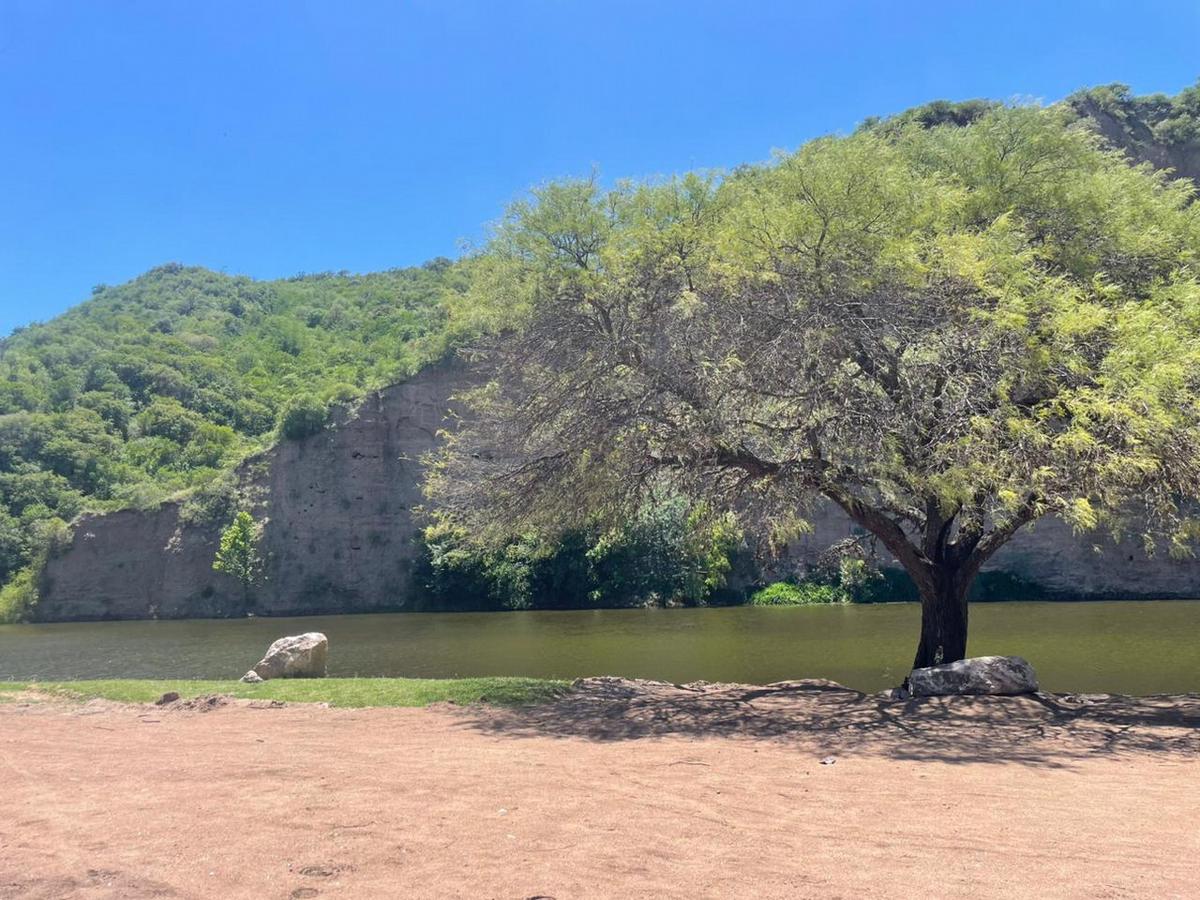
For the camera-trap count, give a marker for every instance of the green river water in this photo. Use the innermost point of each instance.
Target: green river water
(1121, 647)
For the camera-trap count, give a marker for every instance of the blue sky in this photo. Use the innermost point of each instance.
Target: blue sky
(270, 138)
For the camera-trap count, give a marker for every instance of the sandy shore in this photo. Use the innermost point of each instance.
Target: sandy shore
(619, 790)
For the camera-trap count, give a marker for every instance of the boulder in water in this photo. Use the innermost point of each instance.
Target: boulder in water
(296, 656)
(1003, 675)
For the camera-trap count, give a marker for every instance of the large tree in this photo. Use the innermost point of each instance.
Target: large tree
(948, 332)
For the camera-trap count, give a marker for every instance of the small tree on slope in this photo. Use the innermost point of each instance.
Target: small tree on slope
(948, 333)
(238, 553)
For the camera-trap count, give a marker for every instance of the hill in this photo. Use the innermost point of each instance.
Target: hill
(155, 386)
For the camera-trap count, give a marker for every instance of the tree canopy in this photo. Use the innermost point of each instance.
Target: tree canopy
(947, 331)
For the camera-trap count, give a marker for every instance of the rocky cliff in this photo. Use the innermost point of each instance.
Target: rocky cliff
(1136, 139)
(340, 534)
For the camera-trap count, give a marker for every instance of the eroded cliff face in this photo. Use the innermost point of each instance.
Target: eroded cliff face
(340, 533)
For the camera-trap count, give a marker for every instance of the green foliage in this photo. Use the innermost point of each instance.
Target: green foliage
(167, 418)
(671, 552)
(1138, 113)
(238, 552)
(43, 538)
(215, 501)
(1144, 121)
(508, 576)
(12, 543)
(931, 115)
(19, 596)
(162, 385)
(303, 416)
(804, 593)
(845, 573)
(946, 331)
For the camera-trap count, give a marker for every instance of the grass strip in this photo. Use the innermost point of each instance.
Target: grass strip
(341, 692)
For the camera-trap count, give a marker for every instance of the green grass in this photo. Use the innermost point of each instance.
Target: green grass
(347, 692)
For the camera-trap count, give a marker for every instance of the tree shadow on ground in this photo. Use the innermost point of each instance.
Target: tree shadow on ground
(1039, 729)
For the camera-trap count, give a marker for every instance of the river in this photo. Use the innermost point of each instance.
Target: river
(1121, 647)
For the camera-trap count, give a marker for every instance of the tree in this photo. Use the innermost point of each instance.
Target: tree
(670, 550)
(12, 545)
(946, 332)
(303, 416)
(238, 553)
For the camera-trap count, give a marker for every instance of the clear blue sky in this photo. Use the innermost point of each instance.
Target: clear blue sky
(269, 138)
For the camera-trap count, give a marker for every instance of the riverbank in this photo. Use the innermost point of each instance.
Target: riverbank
(636, 789)
(1120, 647)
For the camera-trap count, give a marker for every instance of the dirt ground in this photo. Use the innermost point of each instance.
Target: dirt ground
(619, 790)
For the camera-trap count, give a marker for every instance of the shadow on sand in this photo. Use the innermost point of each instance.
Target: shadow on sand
(1039, 729)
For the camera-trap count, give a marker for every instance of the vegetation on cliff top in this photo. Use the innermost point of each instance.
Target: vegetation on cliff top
(1149, 124)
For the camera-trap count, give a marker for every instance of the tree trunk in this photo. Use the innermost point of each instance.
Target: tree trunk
(943, 618)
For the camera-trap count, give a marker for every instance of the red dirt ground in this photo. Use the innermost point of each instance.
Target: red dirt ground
(619, 790)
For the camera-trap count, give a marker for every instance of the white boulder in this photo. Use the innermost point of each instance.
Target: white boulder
(978, 675)
(295, 656)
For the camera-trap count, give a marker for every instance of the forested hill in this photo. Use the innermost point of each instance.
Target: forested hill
(155, 386)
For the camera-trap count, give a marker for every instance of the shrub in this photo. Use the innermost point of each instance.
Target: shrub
(673, 550)
(342, 392)
(19, 596)
(806, 593)
(48, 537)
(212, 502)
(166, 417)
(303, 416)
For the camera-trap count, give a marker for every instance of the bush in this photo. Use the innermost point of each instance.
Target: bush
(1181, 129)
(212, 502)
(166, 417)
(303, 416)
(48, 537)
(806, 593)
(19, 596)
(672, 552)
(342, 392)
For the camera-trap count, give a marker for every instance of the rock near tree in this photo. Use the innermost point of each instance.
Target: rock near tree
(979, 675)
(295, 656)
